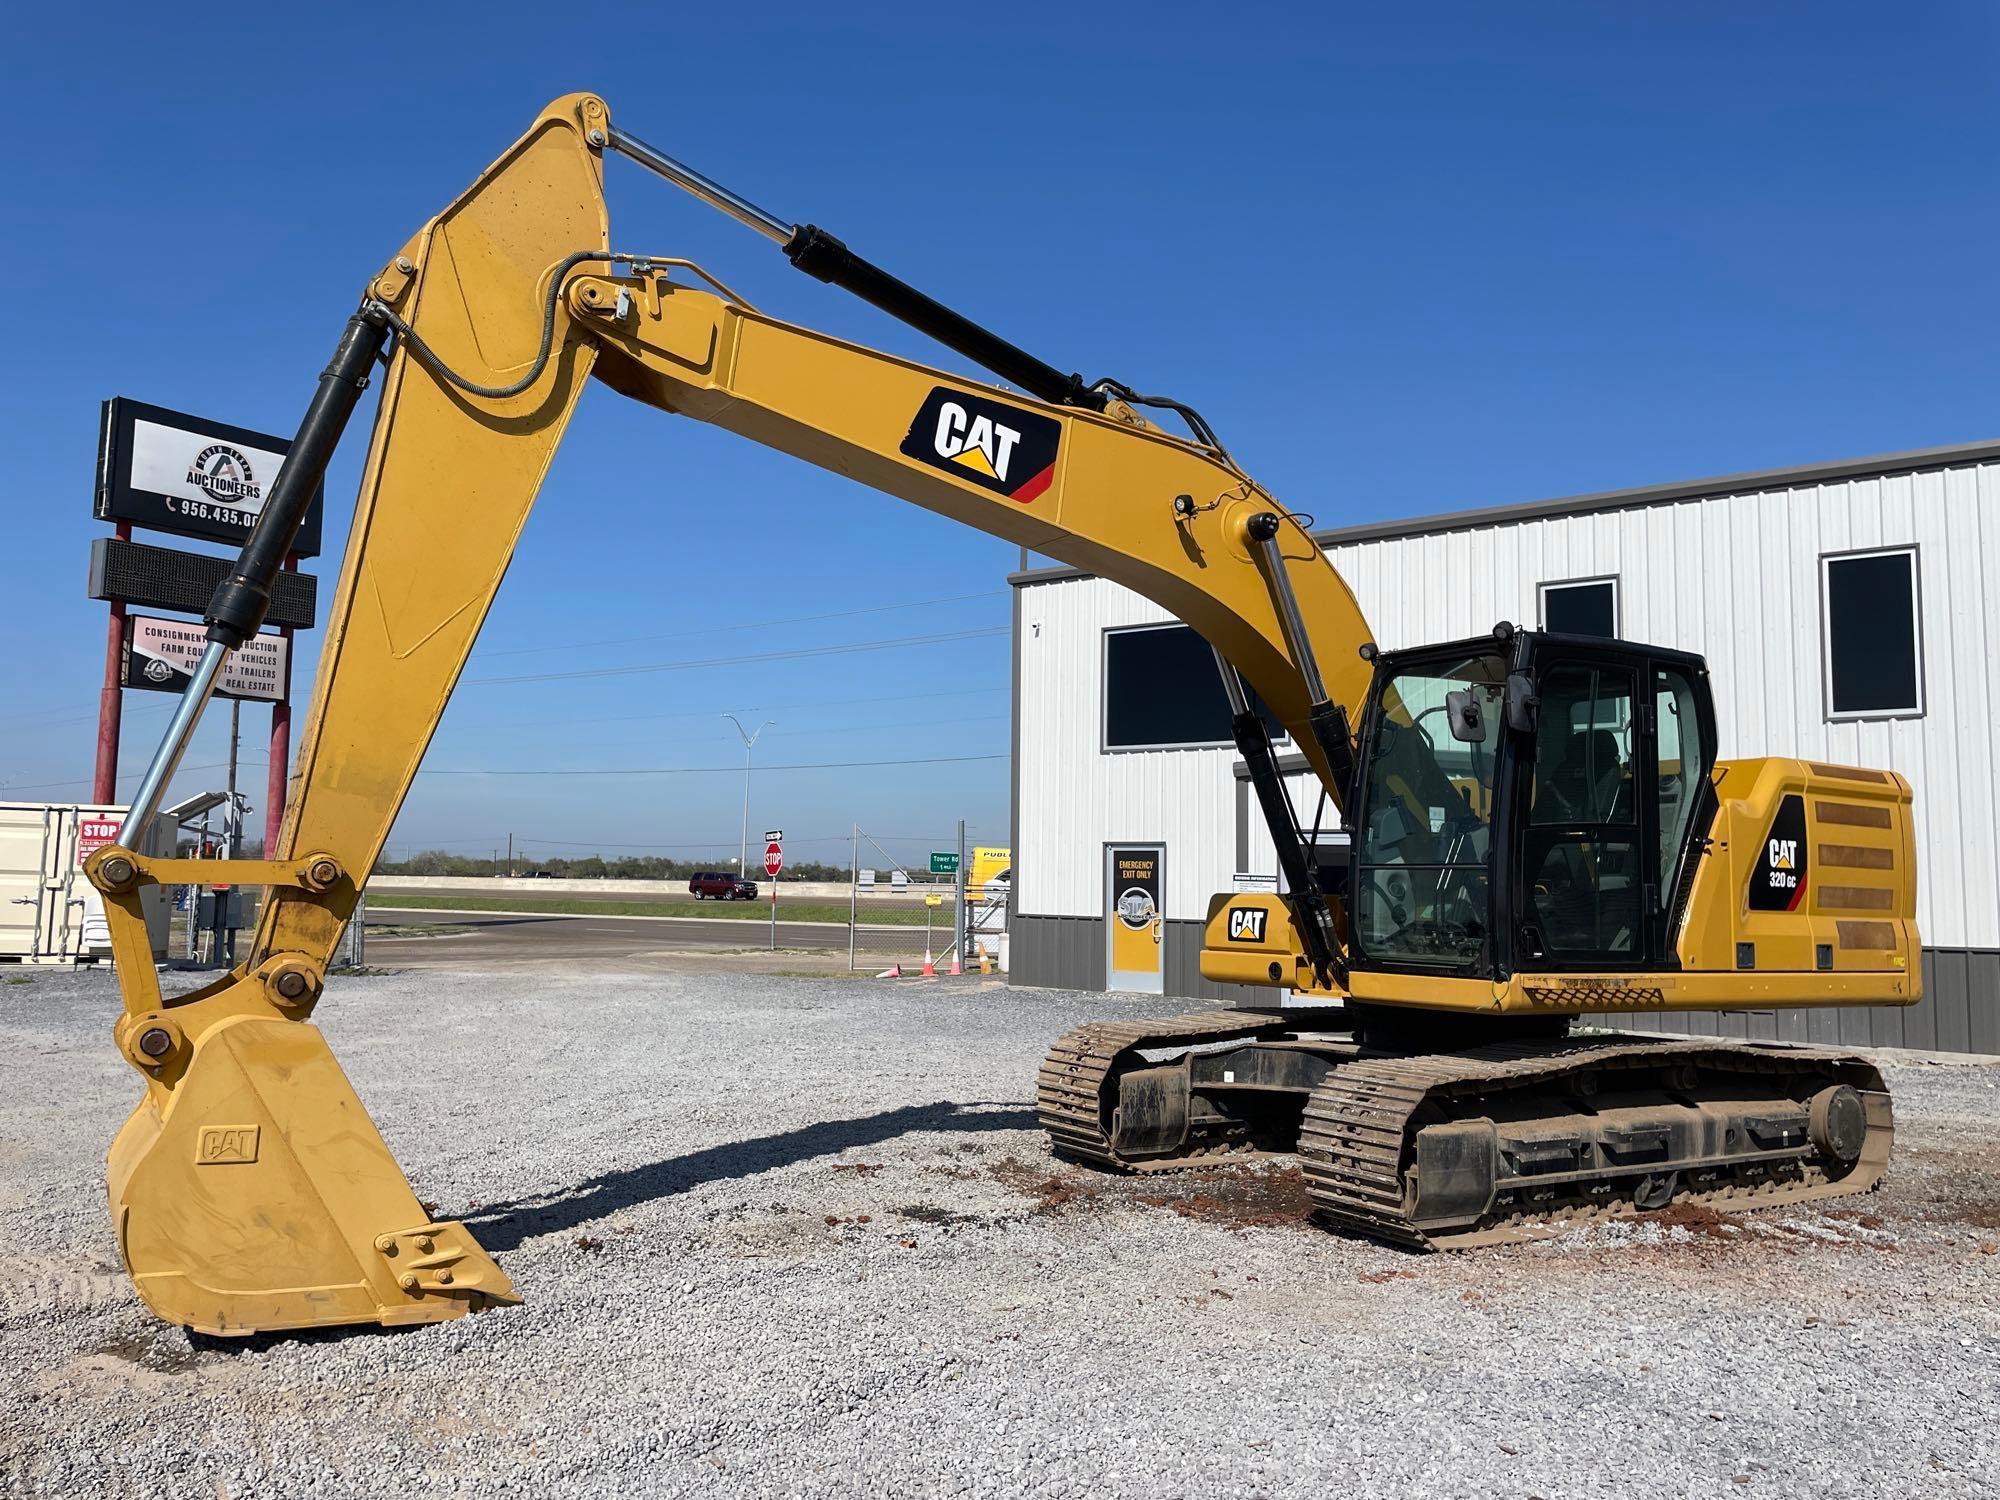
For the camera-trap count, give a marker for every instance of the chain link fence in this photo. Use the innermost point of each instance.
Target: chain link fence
(903, 916)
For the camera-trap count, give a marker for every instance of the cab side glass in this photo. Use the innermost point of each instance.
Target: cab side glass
(1582, 842)
(1421, 893)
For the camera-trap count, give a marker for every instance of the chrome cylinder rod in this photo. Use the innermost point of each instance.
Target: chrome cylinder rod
(173, 745)
(1263, 531)
(707, 189)
(825, 257)
(1232, 684)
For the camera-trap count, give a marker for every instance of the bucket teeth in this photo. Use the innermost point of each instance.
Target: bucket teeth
(444, 1260)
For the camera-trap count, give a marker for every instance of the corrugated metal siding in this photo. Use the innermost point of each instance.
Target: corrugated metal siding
(1067, 953)
(1304, 790)
(1075, 799)
(1960, 1012)
(1060, 953)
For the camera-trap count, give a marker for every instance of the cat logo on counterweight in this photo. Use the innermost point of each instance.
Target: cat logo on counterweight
(1246, 924)
(988, 443)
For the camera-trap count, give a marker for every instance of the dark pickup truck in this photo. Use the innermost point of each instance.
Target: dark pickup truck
(719, 885)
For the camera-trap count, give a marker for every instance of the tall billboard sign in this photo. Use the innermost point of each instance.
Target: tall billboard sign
(169, 471)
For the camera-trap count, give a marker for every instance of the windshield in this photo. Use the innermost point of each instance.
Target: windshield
(1427, 810)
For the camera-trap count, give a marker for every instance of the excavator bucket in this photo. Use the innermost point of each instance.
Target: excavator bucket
(256, 1194)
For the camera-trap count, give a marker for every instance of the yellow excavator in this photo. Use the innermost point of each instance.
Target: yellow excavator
(1537, 826)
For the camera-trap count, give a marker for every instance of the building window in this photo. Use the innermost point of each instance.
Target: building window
(1581, 606)
(1871, 636)
(1162, 691)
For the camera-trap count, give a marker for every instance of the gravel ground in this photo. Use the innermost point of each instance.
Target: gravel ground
(801, 1237)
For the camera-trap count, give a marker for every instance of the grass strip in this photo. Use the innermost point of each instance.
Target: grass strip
(741, 911)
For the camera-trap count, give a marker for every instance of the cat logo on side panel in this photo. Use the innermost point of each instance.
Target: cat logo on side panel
(1246, 924)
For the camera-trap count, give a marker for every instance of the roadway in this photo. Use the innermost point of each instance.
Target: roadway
(396, 939)
(881, 900)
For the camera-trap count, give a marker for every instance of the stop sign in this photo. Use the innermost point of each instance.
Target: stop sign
(774, 859)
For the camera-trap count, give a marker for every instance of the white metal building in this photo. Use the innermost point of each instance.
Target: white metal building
(1849, 612)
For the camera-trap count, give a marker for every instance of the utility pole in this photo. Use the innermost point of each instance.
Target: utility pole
(232, 841)
(232, 824)
(749, 743)
(853, 889)
(958, 964)
(510, 856)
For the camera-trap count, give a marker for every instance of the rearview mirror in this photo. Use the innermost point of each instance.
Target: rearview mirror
(1523, 703)
(1467, 718)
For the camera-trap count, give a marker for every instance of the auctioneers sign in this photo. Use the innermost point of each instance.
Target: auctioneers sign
(161, 654)
(168, 471)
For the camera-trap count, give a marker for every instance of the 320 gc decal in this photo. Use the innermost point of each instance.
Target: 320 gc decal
(1778, 883)
(987, 443)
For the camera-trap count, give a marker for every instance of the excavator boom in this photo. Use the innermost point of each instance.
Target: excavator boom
(499, 310)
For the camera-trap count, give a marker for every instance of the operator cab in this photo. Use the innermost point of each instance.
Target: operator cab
(1528, 801)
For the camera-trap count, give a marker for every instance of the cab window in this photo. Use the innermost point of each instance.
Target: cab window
(1585, 879)
(1425, 833)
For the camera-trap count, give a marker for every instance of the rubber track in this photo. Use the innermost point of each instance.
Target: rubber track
(1356, 1132)
(1070, 1086)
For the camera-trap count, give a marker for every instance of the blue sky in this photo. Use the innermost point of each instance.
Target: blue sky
(1405, 259)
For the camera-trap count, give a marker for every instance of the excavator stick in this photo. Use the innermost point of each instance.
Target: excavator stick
(250, 1190)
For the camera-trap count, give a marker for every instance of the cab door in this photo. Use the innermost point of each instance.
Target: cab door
(1586, 816)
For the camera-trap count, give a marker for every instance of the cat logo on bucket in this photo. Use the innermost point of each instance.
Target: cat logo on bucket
(219, 1144)
(1246, 924)
(988, 443)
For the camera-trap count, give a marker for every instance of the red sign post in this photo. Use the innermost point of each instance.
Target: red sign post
(774, 861)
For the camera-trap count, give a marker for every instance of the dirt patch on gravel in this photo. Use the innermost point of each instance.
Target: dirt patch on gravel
(1244, 1198)
(1054, 1192)
(1232, 1197)
(1699, 1220)
(1983, 1213)
(151, 1350)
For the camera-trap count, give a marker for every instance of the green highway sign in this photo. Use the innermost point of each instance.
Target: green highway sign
(943, 864)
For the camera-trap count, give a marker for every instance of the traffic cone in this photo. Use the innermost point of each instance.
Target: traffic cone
(894, 971)
(930, 969)
(956, 967)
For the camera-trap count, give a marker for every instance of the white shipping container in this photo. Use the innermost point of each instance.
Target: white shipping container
(50, 914)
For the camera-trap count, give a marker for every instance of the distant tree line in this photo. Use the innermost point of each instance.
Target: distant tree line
(591, 867)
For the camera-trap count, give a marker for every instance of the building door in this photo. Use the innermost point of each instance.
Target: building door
(1135, 922)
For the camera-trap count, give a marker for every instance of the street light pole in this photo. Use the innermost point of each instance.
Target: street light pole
(749, 742)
